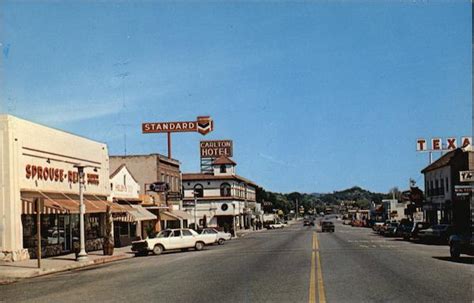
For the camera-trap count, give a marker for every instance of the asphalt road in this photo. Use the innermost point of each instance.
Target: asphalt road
(295, 264)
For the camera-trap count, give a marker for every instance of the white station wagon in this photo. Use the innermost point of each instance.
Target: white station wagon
(170, 239)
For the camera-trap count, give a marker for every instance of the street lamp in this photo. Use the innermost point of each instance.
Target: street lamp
(195, 206)
(82, 256)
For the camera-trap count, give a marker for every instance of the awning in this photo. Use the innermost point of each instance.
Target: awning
(141, 214)
(173, 215)
(49, 207)
(126, 200)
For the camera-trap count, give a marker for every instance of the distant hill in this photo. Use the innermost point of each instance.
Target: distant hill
(286, 202)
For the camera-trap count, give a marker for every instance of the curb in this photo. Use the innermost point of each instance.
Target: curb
(71, 267)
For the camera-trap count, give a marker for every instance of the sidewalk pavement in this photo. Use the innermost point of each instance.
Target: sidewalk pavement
(13, 271)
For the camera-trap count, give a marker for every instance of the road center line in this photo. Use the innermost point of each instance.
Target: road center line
(312, 279)
(316, 278)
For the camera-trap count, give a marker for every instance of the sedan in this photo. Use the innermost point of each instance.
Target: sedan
(221, 237)
(438, 233)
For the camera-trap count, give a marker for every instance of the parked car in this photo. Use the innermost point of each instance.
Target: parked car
(377, 225)
(276, 225)
(391, 229)
(404, 229)
(411, 229)
(347, 221)
(438, 233)
(461, 244)
(417, 227)
(170, 239)
(220, 237)
(327, 226)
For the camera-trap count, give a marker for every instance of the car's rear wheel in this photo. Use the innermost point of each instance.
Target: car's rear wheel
(220, 241)
(158, 249)
(199, 246)
(454, 251)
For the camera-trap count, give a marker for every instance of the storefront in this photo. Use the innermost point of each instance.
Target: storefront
(126, 194)
(39, 164)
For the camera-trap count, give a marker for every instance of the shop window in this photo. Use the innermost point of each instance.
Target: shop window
(124, 229)
(53, 231)
(225, 190)
(93, 227)
(198, 191)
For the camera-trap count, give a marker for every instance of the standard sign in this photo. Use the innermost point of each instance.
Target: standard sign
(437, 144)
(466, 176)
(216, 148)
(202, 125)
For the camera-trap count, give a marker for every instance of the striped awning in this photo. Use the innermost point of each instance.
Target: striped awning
(49, 207)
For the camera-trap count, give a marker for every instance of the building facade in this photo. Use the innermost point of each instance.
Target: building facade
(125, 191)
(39, 164)
(148, 169)
(442, 205)
(222, 198)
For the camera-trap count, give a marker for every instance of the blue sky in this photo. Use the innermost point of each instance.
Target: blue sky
(317, 95)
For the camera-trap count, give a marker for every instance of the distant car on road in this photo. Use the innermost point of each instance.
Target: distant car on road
(308, 222)
(220, 236)
(327, 226)
(170, 239)
(461, 244)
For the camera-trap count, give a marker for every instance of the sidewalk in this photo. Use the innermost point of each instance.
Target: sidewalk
(12, 271)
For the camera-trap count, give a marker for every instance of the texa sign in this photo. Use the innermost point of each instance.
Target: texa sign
(216, 148)
(202, 125)
(438, 144)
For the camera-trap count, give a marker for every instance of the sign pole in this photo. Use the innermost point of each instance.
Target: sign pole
(169, 145)
(38, 229)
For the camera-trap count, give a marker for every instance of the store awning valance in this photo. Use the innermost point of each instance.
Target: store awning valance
(141, 214)
(182, 214)
(174, 215)
(49, 207)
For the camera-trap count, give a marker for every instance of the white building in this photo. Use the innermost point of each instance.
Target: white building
(224, 199)
(125, 191)
(39, 162)
(394, 210)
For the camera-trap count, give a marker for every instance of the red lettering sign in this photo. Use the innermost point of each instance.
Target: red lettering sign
(56, 175)
(421, 144)
(451, 143)
(436, 144)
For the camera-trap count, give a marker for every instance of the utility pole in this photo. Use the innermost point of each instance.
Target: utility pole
(296, 210)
